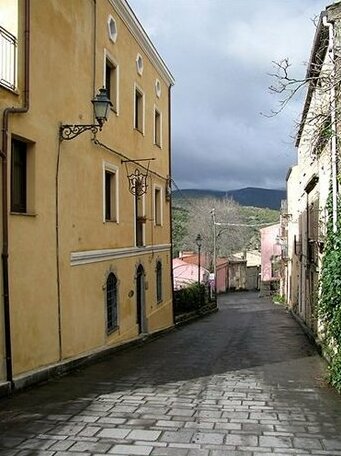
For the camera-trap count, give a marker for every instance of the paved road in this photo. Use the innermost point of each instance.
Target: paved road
(244, 381)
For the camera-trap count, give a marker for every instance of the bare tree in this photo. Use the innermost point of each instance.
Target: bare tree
(321, 83)
(284, 84)
(229, 239)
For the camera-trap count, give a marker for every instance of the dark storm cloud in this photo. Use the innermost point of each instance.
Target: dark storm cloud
(220, 52)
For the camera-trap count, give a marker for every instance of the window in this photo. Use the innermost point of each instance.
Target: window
(275, 267)
(157, 128)
(158, 281)
(139, 64)
(8, 57)
(111, 302)
(157, 207)
(109, 196)
(140, 220)
(139, 111)
(110, 193)
(111, 83)
(158, 88)
(112, 29)
(19, 176)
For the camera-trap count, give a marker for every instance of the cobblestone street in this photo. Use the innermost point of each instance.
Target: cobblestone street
(243, 381)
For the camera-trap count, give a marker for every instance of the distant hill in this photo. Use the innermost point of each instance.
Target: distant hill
(250, 196)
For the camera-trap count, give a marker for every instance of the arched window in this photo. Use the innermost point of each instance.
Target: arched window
(159, 281)
(111, 302)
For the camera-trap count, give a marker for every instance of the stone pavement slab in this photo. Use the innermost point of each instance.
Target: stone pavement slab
(244, 381)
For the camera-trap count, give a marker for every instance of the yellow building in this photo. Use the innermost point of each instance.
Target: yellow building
(86, 251)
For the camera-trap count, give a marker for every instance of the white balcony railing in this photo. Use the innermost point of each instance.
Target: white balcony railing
(8, 59)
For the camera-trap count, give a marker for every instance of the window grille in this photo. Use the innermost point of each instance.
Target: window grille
(111, 302)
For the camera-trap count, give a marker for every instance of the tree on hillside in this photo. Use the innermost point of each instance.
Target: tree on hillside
(229, 239)
(179, 228)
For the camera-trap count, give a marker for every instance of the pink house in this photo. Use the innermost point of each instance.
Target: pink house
(270, 255)
(185, 270)
(222, 275)
(192, 257)
(186, 273)
(222, 268)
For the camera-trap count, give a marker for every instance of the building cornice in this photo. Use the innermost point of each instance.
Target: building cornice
(288, 174)
(95, 256)
(127, 15)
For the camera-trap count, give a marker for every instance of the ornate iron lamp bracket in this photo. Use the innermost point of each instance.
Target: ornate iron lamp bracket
(67, 132)
(101, 104)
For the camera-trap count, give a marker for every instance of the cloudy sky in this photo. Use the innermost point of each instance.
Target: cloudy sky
(220, 53)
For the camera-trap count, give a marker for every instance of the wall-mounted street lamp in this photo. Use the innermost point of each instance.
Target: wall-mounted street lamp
(101, 105)
(198, 242)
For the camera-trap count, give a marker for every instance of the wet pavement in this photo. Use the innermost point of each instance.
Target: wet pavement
(243, 381)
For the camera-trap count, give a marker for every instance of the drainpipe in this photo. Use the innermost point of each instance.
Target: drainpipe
(4, 156)
(333, 119)
(170, 200)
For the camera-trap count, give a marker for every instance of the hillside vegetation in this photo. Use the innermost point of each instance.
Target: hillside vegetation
(192, 216)
(250, 196)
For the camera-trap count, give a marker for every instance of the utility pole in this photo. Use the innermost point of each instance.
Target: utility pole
(198, 242)
(214, 252)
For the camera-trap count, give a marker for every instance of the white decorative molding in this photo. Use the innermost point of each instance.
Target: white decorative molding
(112, 29)
(139, 64)
(114, 63)
(158, 187)
(139, 89)
(107, 166)
(158, 88)
(160, 128)
(95, 256)
(128, 17)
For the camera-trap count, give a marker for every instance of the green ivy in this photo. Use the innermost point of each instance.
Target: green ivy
(329, 309)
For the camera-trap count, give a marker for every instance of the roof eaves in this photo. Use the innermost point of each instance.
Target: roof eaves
(128, 16)
(288, 174)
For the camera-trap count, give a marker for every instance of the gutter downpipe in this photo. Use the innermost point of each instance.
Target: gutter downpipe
(170, 201)
(4, 169)
(333, 119)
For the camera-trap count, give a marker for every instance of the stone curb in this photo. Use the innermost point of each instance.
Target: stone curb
(5, 389)
(188, 317)
(64, 367)
(308, 332)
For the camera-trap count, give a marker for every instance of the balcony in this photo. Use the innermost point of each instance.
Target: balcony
(8, 60)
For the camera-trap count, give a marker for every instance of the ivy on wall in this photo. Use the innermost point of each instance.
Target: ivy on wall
(329, 308)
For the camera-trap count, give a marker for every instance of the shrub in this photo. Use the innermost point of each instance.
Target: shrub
(190, 298)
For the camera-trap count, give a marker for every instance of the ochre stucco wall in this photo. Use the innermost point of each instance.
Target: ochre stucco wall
(64, 78)
(83, 298)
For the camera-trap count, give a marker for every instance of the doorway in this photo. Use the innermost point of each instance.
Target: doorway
(140, 300)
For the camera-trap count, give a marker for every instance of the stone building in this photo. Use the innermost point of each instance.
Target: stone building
(314, 178)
